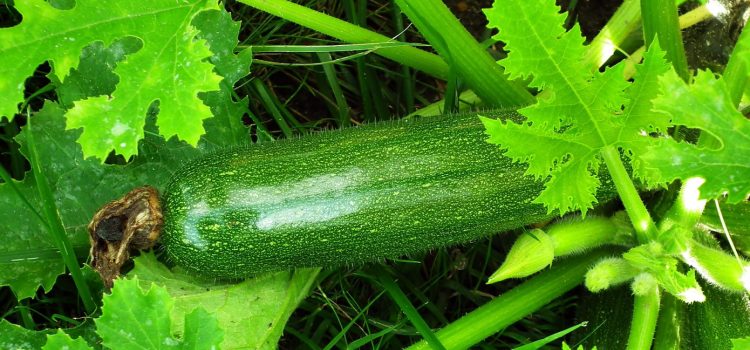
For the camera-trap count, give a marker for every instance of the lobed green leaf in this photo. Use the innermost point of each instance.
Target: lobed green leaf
(170, 67)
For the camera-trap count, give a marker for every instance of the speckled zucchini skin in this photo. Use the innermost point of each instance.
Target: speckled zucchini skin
(344, 197)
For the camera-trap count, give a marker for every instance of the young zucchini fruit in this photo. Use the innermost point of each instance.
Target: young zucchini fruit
(346, 197)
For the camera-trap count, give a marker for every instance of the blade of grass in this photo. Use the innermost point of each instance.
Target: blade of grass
(370, 337)
(550, 338)
(406, 83)
(271, 107)
(364, 91)
(398, 296)
(660, 20)
(56, 229)
(345, 31)
(515, 304)
(450, 101)
(338, 94)
(352, 322)
(370, 47)
(736, 70)
(470, 61)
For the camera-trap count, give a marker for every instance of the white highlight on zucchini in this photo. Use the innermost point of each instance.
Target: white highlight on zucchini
(314, 199)
(691, 195)
(306, 212)
(262, 197)
(196, 213)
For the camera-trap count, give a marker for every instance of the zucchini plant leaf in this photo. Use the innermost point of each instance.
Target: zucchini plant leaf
(13, 336)
(170, 67)
(252, 313)
(704, 104)
(579, 112)
(133, 318)
(28, 259)
(62, 340)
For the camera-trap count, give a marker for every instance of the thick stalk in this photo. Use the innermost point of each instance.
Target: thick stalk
(345, 31)
(515, 304)
(645, 315)
(465, 56)
(660, 20)
(644, 226)
(735, 72)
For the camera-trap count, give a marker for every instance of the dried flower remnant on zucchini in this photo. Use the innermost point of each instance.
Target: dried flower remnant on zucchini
(131, 222)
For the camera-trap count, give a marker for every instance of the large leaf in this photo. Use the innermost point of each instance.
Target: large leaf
(133, 318)
(28, 259)
(170, 67)
(580, 111)
(705, 104)
(251, 313)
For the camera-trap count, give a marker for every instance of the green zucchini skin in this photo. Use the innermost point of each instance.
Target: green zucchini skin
(345, 197)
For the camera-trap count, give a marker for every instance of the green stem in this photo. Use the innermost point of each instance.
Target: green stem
(463, 53)
(735, 72)
(645, 315)
(56, 228)
(660, 20)
(345, 31)
(644, 226)
(411, 312)
(341, 106)
(623, 22)
(271, 106)
(515, 304)
(406, 83)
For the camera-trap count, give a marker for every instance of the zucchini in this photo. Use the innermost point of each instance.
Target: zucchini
(345, 197)
(708, 325)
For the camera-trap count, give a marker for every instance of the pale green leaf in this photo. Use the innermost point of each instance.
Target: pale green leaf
(133, 318)
(705, 104)
(579, 111)
(251, 313)
(741, 343)
(169, 68)
(15, 337)
(61, 340)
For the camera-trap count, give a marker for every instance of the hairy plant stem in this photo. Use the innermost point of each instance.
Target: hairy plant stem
(463, 54)
(645, 315)
(660, 21)
(645, 229)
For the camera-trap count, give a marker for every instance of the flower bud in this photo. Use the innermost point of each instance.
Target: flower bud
(609, 272)
(531, 252)
(718, 267)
